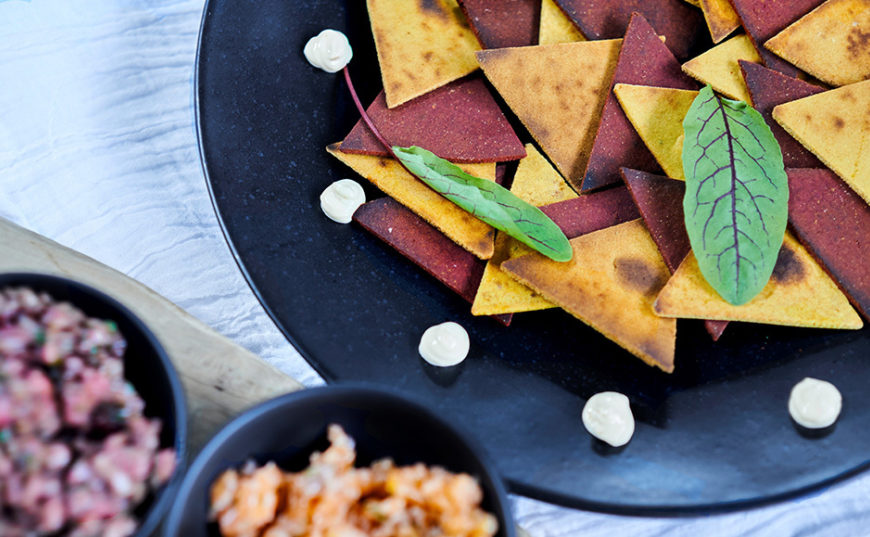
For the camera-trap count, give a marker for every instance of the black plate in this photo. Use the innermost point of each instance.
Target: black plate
(716, 435)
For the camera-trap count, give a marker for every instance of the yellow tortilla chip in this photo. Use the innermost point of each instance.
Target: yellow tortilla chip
(719, 68)
(539, 184)
(610, 284)
(556, 27)
(832, 42)
(835, 126)
(721, 18)
(799, 293)
(657, 116)
(696, 3)
(388, 175)
(421, 46)
(558, 92)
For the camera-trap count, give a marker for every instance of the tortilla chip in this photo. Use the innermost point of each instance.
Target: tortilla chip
(832, 42)
(538, 183)
(682, 26)
(557, 91)
(770, 88)
(835, 126)
(660, 202)
(719, 68)
(610, 284)
(696, 3)
(763, 19)
(424, 245)
(798, 294)
(460, 122)
(834, 224)
(657, 115)
(556, 27)
(644, 60)
(421, 45)
(388, 175)
(721, 18)
(503, 23)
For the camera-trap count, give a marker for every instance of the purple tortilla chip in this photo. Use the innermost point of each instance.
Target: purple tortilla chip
(503, 23)
(591, 212)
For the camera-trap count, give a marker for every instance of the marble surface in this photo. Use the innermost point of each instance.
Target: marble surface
(98, 152)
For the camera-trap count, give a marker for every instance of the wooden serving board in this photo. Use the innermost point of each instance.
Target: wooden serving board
(220, 378)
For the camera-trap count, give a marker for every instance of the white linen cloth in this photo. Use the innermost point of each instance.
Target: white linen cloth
(98, 152)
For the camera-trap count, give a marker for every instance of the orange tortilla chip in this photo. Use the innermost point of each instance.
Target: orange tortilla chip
(799, 293)
(719, 68)
(556, 27)
(388, 175)
(610, 284)
(832, 42)
(657, 116)
(721, 18)
(558, 92)
(538, 183)
(421, 45)
(835, 126)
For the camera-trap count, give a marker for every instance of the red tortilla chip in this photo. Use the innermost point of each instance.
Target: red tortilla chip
(460, 122)
(503, 23)
(592, 212)
(660, 202)
(682, 25)
(833, 222)
(769, 88)
(646, 61)
(427, 247)
(763, 19)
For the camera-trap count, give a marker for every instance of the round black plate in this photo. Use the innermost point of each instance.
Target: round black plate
(715, 435)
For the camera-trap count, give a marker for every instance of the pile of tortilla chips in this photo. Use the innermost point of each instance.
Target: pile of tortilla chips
(601, 90)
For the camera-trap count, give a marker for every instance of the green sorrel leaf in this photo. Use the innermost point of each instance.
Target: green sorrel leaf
(489, 202)
(736, 203)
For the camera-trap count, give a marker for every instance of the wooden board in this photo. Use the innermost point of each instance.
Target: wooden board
(220, 378)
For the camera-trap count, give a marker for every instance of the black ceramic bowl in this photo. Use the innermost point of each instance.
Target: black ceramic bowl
(146, 366)
(289, 428)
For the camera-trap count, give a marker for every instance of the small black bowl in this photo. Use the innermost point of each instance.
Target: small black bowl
(289, 428)
(146, 366)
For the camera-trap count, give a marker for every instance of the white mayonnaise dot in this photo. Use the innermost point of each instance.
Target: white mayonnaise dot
(329, 50)
(341, 199)
(444, 344)
(607, 416)
(814, 403)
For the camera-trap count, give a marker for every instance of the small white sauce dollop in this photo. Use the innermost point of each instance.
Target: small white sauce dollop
(329, 50)
(444, 344)
(341, 199)
(607, 416)
(814, 403)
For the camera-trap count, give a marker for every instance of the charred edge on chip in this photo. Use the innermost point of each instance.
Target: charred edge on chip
(789, 269)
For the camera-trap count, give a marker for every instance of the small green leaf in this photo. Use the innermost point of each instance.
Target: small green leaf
(736, 202)
(489, 202)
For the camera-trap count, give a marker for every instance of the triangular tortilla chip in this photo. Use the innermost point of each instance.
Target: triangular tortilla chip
(503, 23)
(682, 26)
(719, 68)
(721, 18)
(644, 60)
(556, 27)
(610, 284)
(770, 88)
(424, 245)
(388, 175)
(763, 19)
(832, 42)
(696, 3)
(557, 91)
(538, 183)
(657, 115)
(798, 294)
(460, 122)
(834, 224)
(421, 46)
(591, 212)
(660, 202)
(835, 126)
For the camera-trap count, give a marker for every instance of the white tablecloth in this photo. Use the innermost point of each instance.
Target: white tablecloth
(98, 152)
